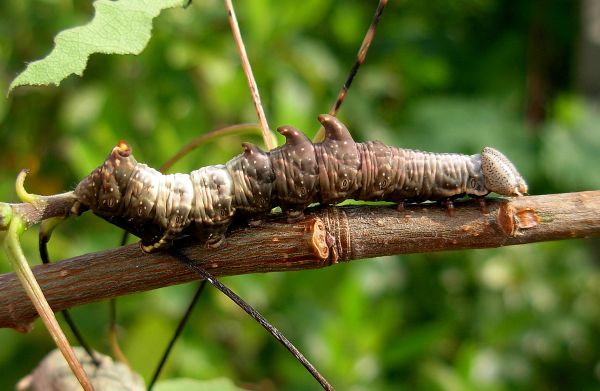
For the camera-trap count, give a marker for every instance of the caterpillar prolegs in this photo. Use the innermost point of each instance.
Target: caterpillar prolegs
(159, 208)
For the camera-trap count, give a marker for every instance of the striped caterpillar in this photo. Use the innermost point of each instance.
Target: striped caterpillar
(159, 208)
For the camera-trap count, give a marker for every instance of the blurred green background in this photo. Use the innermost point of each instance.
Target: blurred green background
(442, 75)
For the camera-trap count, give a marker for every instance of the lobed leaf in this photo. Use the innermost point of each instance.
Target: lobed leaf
(118, 27)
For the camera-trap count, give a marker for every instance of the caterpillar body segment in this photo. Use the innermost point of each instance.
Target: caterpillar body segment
(159, 208)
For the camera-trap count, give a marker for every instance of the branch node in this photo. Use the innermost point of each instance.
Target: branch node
(348, 232)
(338, 234)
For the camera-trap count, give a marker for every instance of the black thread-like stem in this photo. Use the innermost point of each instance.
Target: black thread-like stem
(360, 57)
(254, 314)
(180, 327)
(43, 239)
(112, 321)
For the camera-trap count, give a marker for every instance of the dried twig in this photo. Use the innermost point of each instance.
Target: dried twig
(32, 290)
(235, 29)
(15, 224)
(195, 143)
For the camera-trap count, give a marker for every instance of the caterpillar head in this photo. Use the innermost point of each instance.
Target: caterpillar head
(500, 174)
(102, 189)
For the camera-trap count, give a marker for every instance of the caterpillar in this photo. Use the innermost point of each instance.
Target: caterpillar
(160, 208)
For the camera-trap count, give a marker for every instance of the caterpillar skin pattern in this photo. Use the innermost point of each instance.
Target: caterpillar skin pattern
(159, 208)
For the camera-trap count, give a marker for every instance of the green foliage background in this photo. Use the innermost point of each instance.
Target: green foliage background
(443, 75)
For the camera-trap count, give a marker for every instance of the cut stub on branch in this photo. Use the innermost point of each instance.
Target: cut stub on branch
(268, 245)
(273, 244)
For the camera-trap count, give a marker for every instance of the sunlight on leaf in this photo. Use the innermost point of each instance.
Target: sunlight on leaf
(118, 27)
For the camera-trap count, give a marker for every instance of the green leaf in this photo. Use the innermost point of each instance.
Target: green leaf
(118, 27)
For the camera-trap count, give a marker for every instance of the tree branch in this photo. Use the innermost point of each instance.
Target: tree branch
(46, 207)
(326, 236)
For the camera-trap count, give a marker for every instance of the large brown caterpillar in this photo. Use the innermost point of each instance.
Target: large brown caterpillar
(159, 208)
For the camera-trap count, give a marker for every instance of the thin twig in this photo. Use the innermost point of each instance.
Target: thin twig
(256, 316)
(114, 340)
(31, 288)
(113, 336)
(360, 59)
(235, 29)
(226, 131)
(175, 336)
(356, 232)
(57, 205)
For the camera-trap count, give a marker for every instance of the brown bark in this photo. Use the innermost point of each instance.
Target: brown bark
(326, 236)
